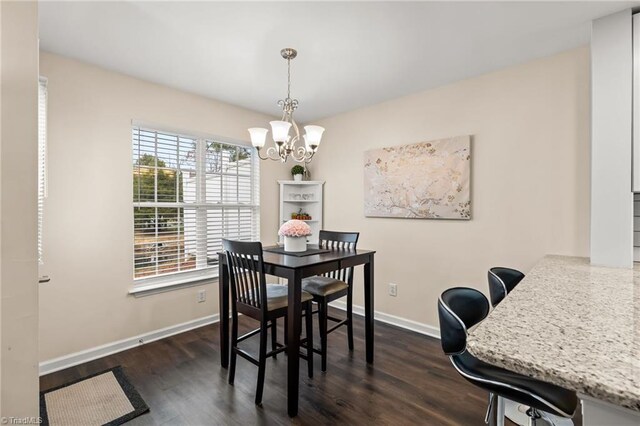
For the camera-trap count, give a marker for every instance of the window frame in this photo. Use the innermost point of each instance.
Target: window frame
(43, 133)
(149, 285)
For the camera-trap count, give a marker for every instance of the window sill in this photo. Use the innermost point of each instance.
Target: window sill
(155, 286)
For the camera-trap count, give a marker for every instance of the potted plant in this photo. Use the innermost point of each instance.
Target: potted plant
(295, 233)
(297, 171)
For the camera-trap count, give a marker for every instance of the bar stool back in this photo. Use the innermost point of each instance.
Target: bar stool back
(501, 282)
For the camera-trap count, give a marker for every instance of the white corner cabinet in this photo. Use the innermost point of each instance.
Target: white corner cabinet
(299, 197)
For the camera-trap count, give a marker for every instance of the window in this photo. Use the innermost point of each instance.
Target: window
(188, 194)
(42, 159)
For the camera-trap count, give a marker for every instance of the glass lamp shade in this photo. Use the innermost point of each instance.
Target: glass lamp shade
(258, 136)
(313, 135)
(307, 146)
(280, 130)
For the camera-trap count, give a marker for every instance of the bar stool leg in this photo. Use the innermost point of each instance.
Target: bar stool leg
(490, 407)
(534, 416)
(500, 412)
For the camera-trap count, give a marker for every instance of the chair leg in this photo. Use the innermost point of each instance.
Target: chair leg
(309, 324)
(274, 336)
(262, 361)
(234, 344)
(350, 318)
(322, 318)
(286, 331)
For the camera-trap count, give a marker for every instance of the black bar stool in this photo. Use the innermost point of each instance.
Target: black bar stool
(501, 282)
(461, 308)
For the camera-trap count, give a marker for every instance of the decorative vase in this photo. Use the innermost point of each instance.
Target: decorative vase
(295, 244)
(297, 178)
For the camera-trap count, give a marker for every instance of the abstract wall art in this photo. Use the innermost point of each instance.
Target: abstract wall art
(426, 180)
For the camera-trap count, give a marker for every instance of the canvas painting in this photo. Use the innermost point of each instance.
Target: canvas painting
(426, 180)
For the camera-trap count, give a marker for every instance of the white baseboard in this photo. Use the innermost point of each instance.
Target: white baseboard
(418, 327)
(86, 355)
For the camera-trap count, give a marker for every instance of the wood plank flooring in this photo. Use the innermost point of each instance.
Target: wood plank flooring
(410, 383)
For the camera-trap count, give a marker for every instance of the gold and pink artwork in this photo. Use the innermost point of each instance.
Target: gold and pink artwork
(426, 180)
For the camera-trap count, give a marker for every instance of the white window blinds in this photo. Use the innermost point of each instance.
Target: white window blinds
(42, 159)
(188, 194)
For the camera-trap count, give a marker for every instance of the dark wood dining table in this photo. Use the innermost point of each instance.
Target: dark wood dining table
(294, 269)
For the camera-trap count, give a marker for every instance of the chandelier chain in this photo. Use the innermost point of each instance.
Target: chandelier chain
(288, 78)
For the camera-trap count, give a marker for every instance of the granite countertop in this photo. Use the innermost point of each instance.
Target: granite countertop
(571, 324)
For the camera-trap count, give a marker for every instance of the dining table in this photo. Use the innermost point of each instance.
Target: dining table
(294, 268)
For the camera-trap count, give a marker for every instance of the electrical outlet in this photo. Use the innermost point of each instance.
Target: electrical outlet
(393, 289)
(202, 296)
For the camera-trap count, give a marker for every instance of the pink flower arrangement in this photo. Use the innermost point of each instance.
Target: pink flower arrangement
(295, 228)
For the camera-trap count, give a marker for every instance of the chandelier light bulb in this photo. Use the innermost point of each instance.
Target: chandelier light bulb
(280, 130)
(258, 136)
(313, 135)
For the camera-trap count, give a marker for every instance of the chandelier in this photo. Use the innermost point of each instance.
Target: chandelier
(285, 145)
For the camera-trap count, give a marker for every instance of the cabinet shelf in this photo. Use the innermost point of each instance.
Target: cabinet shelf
(313, 206)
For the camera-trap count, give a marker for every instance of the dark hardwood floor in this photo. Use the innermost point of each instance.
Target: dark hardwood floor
(180, 378)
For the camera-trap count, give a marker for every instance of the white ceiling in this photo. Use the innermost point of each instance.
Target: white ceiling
(351, 54)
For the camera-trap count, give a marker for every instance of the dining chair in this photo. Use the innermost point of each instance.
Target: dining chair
(265, 303)
(332, 286)
(461, 308)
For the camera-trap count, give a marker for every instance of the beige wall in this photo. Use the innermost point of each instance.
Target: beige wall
(530, 189)
(530, 179)
(88, 228)
(18, 209)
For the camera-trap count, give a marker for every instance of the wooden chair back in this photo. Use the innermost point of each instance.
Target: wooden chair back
(246, 275)
(335, 240)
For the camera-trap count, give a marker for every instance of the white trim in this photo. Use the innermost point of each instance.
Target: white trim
(162, 283)
(415, 326)
(90, 354)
